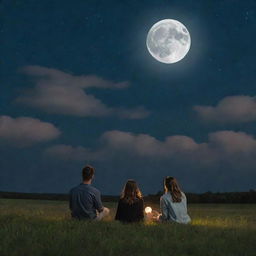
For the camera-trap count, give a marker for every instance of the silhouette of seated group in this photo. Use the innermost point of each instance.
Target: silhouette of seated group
(85, 202)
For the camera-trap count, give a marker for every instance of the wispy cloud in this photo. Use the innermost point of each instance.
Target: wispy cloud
(25, 131)
(232, 109)
(58, 92)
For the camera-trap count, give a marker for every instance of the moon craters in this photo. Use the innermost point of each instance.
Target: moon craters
(168, 41)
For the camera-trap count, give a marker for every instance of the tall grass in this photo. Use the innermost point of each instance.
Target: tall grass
(30, 227)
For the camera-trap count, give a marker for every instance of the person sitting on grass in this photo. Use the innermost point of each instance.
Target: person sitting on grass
(131, 205)
(173, 203)
(85, 200)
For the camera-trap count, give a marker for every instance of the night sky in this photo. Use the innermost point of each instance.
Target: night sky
(78, 86)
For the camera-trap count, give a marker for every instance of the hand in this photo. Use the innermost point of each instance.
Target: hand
(158, 218)
(155, 213)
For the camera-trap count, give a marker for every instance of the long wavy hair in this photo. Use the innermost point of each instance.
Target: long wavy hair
(131, 192)
(171, 185)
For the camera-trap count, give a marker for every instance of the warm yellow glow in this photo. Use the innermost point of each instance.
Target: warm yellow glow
(148, 209)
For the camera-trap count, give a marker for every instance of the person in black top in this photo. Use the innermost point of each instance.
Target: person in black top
(131, 205)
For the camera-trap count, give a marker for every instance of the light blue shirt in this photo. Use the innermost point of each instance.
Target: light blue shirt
(174, 211)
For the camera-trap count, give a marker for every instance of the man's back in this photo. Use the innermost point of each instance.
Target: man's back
(84, 201)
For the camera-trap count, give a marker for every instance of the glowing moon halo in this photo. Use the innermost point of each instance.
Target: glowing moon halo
(168, 41)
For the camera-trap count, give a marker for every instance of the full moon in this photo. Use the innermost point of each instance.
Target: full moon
(168, 41)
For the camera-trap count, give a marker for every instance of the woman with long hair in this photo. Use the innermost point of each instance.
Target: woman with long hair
(173, 203)
(131, 205)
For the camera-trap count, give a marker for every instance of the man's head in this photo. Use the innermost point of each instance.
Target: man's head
(88, 173)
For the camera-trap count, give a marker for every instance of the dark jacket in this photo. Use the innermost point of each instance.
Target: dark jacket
(130, 212)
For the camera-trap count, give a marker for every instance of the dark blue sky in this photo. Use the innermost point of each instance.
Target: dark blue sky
(78, 86)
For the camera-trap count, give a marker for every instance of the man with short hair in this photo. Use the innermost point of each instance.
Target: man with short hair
(85, 200)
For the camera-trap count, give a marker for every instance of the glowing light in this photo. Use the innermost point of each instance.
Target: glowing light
(168, 41)
(148, 209)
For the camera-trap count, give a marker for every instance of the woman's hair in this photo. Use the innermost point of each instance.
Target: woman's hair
(131, 192)
(171, 185)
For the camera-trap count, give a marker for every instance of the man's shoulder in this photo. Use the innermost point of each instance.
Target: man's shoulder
(94, 190)
(88, 188)
(76, 188)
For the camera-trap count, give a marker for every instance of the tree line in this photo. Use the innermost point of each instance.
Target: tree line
(248, 197)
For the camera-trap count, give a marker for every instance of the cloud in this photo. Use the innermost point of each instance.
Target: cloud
(222, 146)
(58, 92)
(232, 109)
(146, 145)
(135, 113)
(25, 131)
(57, 77)
(231, 142)
(225, 161)
(117, 142)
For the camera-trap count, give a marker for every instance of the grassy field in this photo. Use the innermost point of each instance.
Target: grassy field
(33, 228)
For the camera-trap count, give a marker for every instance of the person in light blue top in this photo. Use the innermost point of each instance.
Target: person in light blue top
(173, 203)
